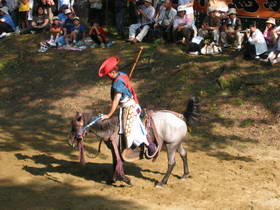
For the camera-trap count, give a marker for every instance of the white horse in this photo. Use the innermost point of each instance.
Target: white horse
(170, 127)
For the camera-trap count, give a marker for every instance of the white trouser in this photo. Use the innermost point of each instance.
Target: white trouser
(133, 28)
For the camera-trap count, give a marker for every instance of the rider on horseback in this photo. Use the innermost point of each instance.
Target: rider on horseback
(123, 95)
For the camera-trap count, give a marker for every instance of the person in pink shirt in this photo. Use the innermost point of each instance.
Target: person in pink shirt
(182, 26)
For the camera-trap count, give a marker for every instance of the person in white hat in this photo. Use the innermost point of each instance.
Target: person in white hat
(182, 26)
(146, 13)
(210, 26)
(231, 30)
(270, 33)
(7, 25)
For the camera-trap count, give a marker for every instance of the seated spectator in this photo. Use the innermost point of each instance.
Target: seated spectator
(231, 30)
(210, 26)
(7, 25)
(67, 26)
(98, 35)
(23, 9)
(182, 26)
(164, 20)
(62, 16)
(78, 31)
(256, 46)
(39, 23)
(188, 4)
(270, 33)
(56, 31)
(147, 13)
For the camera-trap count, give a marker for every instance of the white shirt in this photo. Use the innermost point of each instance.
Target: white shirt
(70, 3)
(12, 4)
(258, 40)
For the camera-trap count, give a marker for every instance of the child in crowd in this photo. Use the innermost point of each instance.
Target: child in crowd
(56, 31)
(67, 26)
(99, 36)
(78, 32)
(23, 9)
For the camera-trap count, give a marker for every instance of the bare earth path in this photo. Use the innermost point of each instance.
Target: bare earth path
(234, 152)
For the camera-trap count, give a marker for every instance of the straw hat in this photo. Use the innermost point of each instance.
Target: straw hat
(271, 21)
(232, 11)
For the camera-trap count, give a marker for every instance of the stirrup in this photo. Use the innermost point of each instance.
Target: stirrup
(151, 156)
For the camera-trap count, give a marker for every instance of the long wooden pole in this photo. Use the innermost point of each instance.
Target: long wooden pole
(136, 62)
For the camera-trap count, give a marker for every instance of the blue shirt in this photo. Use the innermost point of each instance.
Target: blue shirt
(78, 29)
(68, 24)
(119, 86)
(62, 17)
(9, 21)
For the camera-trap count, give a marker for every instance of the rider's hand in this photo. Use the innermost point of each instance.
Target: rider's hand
(105, 116)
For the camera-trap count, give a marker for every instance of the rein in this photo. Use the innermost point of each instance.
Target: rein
(83, 130)
(82, 133)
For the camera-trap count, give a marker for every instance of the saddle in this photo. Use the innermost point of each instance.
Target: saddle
(138, 153)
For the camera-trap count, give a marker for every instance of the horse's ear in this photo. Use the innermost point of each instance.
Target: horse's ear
(78, 114)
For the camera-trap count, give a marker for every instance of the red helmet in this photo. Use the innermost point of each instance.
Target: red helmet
(108, 65)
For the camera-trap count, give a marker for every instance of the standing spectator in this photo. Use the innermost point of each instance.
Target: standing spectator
(256, 47)
(147, 13)
(23, 9)
(231, 30)
(210, 26)
(132, 10)
(165, 19)
(182, 26)
(120, 8)
(69, 3)
(7, 25)
(68, 25)
(95, 7)
(270, 33)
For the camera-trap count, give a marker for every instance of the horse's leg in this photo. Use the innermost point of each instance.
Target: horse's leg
(171, 150)
(118, 169)
(184, 156)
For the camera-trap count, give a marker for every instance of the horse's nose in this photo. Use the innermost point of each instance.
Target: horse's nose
(79, 137)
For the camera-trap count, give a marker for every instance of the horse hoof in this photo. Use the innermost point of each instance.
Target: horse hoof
(159, 185)
(184, 177)
(125, 180)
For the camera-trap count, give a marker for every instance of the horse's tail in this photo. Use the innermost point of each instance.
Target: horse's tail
(192, 111)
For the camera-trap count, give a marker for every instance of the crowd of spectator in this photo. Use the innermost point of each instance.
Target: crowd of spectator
(172, 21)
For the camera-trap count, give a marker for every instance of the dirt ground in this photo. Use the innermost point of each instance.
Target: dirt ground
(233, 149)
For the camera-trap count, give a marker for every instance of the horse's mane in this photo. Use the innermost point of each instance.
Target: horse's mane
(102, 128)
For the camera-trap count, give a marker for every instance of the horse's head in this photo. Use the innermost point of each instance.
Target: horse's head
(76, 133)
